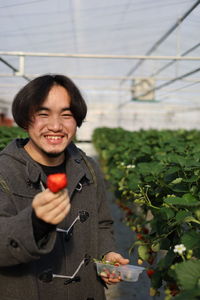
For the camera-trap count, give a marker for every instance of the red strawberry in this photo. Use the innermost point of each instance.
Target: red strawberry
(57, 182)
(145, 230)
(150, 272)
(139, 236)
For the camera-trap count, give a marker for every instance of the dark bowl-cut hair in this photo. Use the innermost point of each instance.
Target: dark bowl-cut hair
(32, 96)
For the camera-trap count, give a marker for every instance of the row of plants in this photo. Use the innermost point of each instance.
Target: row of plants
(7, 134)
(156, 178)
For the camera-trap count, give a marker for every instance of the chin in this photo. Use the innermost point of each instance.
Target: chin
(53, 154)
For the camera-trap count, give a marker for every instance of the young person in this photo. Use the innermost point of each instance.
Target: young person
(48, 240)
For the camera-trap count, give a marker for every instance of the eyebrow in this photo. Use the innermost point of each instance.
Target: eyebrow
(47, 109)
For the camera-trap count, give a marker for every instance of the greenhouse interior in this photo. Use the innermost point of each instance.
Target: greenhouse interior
(137, 66)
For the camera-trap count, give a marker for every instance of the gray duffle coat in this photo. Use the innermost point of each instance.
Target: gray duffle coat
(23, 262)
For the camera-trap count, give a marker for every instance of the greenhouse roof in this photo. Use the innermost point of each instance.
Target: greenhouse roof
(107, 47)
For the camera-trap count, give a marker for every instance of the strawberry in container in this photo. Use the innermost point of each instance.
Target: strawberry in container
(107, 269)
(115, 270)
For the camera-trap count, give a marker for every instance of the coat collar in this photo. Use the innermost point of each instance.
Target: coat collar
(76, 168)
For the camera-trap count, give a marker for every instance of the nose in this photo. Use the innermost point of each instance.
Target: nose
(54, 124)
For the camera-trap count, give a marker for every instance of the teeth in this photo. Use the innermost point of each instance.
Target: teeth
(53, 137)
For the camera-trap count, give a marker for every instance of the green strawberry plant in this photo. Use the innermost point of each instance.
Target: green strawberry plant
(7, 134)
(156, 178)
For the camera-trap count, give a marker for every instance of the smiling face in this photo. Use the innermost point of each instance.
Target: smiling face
(52, 129)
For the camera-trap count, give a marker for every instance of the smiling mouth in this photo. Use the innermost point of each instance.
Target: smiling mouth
(54, 138)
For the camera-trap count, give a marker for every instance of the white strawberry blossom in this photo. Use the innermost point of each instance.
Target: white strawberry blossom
(130, 166)
(122, 164)
(179, 249)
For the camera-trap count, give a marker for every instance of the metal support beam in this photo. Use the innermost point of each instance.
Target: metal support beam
(94, 77)
(20, 72)
(164, 37)
(170, 82)
(17, 72)
(99, 56)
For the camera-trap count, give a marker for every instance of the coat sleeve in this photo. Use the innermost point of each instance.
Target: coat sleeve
(106, 238)
(17, 243)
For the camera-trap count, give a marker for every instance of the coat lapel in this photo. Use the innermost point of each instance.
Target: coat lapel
(76, 169)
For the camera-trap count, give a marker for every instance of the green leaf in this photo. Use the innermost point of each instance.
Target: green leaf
(165, 244)
(189, 295)
(143, 252)
(155, 247)
(191, 239)
(166, 261)
(182, 187)
(181, 215)
(186, 200)
(153, 168)
(171, 174)
(172, 170)
(145, 149)
(177, 180)
(175, 158)
(133, 181)
(189, 163)
(149, 178)
(156, 280)
(188, 273)
(191, 179)
(190, 219)
(166, 213)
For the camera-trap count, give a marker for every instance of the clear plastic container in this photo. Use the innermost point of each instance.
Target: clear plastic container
(126, 272)
(130, 272)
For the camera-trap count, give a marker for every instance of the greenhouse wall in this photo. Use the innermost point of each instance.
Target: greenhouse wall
(136, 116)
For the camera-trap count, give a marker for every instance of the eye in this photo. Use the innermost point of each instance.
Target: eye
(43, 114)
(67, 115)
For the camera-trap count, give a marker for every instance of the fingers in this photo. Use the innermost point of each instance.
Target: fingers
(51, 207)
(56, 214)
(110, 280)
(116, 258)
(123, 261)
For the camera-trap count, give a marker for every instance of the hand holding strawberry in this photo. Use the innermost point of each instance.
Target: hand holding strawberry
(53, 204)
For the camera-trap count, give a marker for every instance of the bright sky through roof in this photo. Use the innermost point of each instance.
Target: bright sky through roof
(112, 27)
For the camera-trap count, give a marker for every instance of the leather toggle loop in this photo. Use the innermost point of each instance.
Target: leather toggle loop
(83, 215)
(48, 275)
(72, 280)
